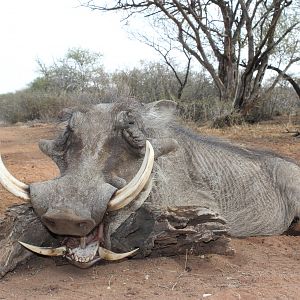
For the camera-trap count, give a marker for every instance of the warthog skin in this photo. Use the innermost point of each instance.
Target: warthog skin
(102, 148)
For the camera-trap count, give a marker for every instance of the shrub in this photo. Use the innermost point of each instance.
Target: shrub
(27, 106)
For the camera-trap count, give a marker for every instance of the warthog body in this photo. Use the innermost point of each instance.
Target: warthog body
(101, 150)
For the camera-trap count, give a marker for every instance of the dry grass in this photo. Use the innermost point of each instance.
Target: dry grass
(265, 135)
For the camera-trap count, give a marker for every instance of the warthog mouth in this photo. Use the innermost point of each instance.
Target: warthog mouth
(82, 252)
(86, 251)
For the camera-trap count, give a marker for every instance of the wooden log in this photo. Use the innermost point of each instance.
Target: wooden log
(171, 231)
(155, 231)
(19, 223)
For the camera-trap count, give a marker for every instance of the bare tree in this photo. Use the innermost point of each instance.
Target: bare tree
(233, 40)
(171, 52)
(288, 78)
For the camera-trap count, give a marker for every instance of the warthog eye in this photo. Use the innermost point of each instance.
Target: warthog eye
(129, 118)
(129, 124)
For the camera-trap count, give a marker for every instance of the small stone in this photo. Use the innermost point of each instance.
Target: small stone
(206, 295)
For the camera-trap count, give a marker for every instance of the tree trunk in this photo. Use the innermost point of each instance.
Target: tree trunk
(19, 224)
(155, 231)
(242, 103)
(172, 231)
(228, 73)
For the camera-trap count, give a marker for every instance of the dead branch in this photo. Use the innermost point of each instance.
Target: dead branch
(295, 133)
(19, 223)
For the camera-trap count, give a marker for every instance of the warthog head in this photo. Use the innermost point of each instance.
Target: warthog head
(105, 156)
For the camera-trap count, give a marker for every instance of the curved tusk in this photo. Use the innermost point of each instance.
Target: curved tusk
(14, 180)
(11, 187)
(12, 184)
(140, 172)
(129, 192)
(46, 250)
(109, 255)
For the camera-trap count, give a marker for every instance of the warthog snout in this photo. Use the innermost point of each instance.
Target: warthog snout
(67, 222)
(70, 206)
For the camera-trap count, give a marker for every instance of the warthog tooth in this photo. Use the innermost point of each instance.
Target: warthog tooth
(12, 184)
(129, 192)
(83, 242)
(60, 251)
(109, 255)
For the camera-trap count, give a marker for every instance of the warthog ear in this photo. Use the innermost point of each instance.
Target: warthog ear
(163, 111)
(47, 147)
(66, 114)
(55, 149)
(50, 148)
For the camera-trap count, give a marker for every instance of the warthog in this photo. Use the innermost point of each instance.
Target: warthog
(116, 159)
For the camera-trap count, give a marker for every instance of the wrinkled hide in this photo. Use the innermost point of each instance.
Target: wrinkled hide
(195, 181)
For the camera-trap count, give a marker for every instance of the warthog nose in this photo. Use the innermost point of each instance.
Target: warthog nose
(67, 222)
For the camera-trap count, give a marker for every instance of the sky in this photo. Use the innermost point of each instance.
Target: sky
(46, 29)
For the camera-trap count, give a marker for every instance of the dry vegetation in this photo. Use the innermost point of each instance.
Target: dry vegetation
(276, 134)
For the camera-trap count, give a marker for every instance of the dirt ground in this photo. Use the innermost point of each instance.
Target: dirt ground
(262, 268)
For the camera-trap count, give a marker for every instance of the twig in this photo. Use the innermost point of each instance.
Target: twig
(174, 285)
(186, 259)
(295, 132)
(185, 270)
(109, 282)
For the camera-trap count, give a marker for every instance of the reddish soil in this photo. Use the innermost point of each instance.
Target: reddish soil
(263, 267)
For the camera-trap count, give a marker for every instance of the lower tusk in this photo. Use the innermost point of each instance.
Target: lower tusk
(109, 255)
(12, 184)
(60, 251)
(129, 192)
